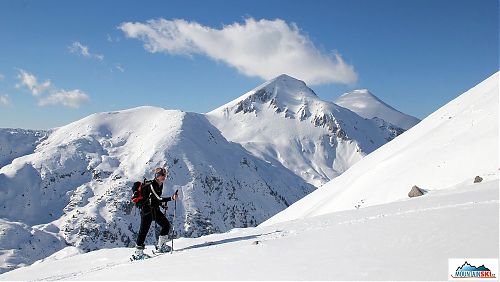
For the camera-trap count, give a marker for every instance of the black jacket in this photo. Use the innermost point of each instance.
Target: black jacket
(155, 199)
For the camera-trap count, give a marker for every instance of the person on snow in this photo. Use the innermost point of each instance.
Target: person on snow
(151, 211)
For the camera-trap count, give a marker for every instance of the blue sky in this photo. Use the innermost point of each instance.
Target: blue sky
(63, 60)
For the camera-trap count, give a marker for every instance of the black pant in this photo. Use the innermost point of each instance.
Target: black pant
(148, 214)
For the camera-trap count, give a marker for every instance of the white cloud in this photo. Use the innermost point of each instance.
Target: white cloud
(119, 67)
(72, 99)
(261, 48)
(80, 49)
(30, 81)
(5, 100)
(47, 94)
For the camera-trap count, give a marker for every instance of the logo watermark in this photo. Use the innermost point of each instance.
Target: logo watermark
(473, 269)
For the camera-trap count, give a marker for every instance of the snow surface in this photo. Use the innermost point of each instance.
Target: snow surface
(453, 145)
(285, 123)
(367, 105)
(410, 239)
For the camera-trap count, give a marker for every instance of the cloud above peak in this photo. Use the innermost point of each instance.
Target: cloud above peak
(258, 48)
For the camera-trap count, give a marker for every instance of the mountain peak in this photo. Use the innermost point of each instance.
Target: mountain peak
(360, 91)
(367, 105)
(357, 94)
(281, 93)
(284, 81)
(286, 123)
(286, 77)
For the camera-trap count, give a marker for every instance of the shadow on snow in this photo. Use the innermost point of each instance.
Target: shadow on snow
(225, 241)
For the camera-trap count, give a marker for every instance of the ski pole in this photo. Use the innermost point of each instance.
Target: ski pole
(173, 221)
(156, 224)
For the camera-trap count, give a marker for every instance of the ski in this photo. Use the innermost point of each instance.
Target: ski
(143, 257)
(146, 256)
(169, 252)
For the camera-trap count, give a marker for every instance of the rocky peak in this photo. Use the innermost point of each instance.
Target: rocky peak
(284, 94)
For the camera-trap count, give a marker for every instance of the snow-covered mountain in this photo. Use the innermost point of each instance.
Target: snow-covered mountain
(453, 145)
(386, 236)
(72, 184)
(75, 187)
(284, 122)
(15, 143)
(367, 105)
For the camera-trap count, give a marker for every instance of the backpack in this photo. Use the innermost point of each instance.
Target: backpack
(137, 198)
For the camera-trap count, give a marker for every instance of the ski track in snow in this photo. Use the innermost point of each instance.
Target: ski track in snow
(194, 247)
(76, 274)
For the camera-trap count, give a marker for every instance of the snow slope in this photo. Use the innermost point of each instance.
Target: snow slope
(284, 122)
(407, 240)
(22, 244)
(453, 145)
(367, 105)
(75, 186)
(15, 143)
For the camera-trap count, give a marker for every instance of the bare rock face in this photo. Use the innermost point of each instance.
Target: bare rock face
(415, 192)
(478, 179)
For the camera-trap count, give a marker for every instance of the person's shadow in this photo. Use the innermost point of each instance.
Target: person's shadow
(229, 240)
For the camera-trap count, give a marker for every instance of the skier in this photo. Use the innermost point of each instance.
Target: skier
(151, 211)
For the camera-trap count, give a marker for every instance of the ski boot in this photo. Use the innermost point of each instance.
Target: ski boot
(139, 253)
(162, 246)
